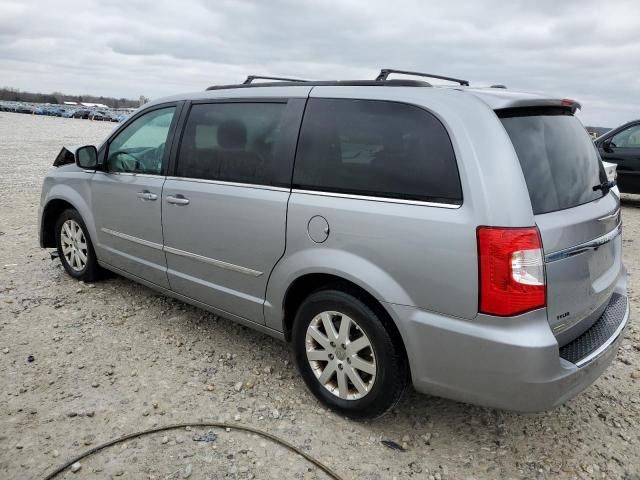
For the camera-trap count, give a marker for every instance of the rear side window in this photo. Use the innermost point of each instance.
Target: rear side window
(376, 148)
(234, 142)
(558, 159)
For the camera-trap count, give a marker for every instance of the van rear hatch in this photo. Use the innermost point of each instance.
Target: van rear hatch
(579, 224)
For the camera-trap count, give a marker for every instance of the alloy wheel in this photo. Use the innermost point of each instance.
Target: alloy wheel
(74, 245)
(340, 355)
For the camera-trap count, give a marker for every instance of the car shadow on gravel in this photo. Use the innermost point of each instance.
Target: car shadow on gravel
(630, 200)
(186, 324)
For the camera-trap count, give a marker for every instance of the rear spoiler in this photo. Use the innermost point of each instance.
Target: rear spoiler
(565, 103)
(502, 99)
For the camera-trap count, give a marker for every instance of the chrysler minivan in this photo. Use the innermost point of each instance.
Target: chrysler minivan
(463, 240)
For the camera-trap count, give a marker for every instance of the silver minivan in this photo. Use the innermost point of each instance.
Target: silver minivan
(465, 240)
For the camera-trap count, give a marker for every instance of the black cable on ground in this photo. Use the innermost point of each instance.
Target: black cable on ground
(233, 426)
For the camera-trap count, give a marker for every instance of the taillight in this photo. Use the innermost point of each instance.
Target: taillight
(511, 269)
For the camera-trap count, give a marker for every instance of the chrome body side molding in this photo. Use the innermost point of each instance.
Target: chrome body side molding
(213, 261)
(182, 253)
(131, 238)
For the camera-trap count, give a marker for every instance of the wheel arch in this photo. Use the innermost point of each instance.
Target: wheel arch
(50, 214)
(60, 198)
(308, 283)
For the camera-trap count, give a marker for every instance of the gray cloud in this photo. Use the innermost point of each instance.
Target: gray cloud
(586, 50)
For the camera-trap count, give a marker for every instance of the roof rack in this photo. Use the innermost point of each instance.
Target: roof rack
(251, 78)
(323, 83)
(384, 73)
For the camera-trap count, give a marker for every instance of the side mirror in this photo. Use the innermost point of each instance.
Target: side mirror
(87, 157)
(606, 145)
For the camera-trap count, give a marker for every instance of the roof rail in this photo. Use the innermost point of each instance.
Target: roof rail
(251, 78)
(384, 73)
(322, 83)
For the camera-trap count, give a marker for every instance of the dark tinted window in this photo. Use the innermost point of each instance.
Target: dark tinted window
(376, 148)
(558, 159)
(235, 142)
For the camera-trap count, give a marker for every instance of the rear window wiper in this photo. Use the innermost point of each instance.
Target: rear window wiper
(605, 186)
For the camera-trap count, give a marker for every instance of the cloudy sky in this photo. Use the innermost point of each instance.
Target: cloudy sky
(588, 50)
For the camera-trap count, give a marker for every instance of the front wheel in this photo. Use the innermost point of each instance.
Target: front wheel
(346, 355)
(74, 247)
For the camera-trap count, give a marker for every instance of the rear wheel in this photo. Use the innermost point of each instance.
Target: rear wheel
(346, 356)
(74, 247)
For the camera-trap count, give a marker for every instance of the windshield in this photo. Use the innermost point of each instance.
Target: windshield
(558, 159)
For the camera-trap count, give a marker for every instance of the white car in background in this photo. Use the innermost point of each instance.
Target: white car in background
(610, 169)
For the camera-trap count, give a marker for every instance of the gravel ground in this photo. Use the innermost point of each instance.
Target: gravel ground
(82, 364)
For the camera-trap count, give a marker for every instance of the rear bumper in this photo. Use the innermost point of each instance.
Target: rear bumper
(513, 364)
(589, 346)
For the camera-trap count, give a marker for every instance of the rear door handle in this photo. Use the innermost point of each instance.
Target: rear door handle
(177, 200)
(147, 195)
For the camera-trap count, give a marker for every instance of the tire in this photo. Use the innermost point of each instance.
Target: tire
(316, 361)
(66, 224)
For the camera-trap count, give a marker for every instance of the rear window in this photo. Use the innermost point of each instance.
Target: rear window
(558, 159)
(376, 148)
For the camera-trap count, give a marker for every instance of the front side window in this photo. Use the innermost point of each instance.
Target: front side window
(629, 138)
(233, 142)
(139, 148)
(376, 148)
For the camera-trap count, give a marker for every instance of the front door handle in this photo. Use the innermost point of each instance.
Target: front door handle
(147, 195)
(177, 200)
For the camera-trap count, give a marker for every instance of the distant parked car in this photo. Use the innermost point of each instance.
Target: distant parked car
(82, 113)
(112, 117)
(24, 109)
(97, 115)
(622, 147)
(118, 116)
(48, 110)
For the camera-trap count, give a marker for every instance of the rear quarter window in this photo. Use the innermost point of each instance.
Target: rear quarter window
(376, 148)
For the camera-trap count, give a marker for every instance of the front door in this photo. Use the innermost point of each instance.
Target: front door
(127, 197)
(224, 213)
(623, 149)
